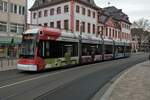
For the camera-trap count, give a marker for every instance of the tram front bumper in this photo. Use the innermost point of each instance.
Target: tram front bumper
(27, 67)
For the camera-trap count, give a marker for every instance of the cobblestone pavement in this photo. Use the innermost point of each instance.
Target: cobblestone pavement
(134, 84)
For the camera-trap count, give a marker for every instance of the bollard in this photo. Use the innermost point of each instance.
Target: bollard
(8, 62)
(149, 56)
(12, 61)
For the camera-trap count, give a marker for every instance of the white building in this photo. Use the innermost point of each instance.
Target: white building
(68, 14)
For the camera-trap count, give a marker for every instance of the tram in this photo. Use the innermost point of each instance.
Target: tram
(44, 48)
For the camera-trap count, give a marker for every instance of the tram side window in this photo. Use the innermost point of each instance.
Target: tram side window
(128, 49)
(55, 49)
(41, 46)
(86, 50)
(120, 49)
(108, 49)
(70, 48)
(98, 49)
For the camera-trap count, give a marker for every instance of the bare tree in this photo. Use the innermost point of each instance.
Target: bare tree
(140, 29)
(142, 23)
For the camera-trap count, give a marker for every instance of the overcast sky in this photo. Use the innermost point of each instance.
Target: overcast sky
(135, 9)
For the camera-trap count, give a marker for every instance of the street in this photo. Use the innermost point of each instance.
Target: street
(78, 83)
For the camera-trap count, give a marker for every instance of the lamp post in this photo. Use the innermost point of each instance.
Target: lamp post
(80, 44)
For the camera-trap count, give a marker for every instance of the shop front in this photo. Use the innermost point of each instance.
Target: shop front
(9, 47)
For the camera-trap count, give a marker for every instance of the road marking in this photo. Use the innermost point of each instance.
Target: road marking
(35, 78)
(42, 76)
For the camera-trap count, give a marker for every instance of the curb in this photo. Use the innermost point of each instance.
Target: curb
(105, 92)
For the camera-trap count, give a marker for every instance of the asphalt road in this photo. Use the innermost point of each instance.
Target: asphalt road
(78, 83)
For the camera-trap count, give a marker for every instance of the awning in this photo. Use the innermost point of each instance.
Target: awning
(17, 40)
(5, 40)
(11, 40)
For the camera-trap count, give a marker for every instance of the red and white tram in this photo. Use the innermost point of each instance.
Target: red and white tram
(44, 48)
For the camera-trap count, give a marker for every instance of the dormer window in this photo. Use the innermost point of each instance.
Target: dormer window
(89, 1)
(43, 1)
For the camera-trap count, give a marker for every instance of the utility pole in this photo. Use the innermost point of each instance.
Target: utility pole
(26, 15)
(80, 44)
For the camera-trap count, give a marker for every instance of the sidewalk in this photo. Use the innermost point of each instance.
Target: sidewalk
(134, 84)
(6, 64)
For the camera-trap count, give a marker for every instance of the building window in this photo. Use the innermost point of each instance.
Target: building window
(77, 25)
(34, 15)
(52, 24)
(5, 6)
(66, 24)
(59, 10)
(59, 24)
(106, 31)
(83, 26)
(113, 33)
(77, 9)
(83, 11)
(109, 32)
(45, 13)
(3, 27)
(20, 10)
(1, 5)
(66, 8)
(93, 28)
(45, 24)
(89, 13)
(94, 14)
(52, 11)
(20, 29)
(23, 10)
(15, 9)
(40, 14)
(89, 28)
(11, 7)
(13, 28)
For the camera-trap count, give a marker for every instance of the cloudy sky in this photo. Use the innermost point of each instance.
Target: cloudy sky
(135, 9)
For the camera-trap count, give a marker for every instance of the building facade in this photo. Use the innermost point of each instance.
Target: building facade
(68, 14)
(12, 23)
(114, 24)
(107, 23)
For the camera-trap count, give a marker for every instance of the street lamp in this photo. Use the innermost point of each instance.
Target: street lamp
(80, 44)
